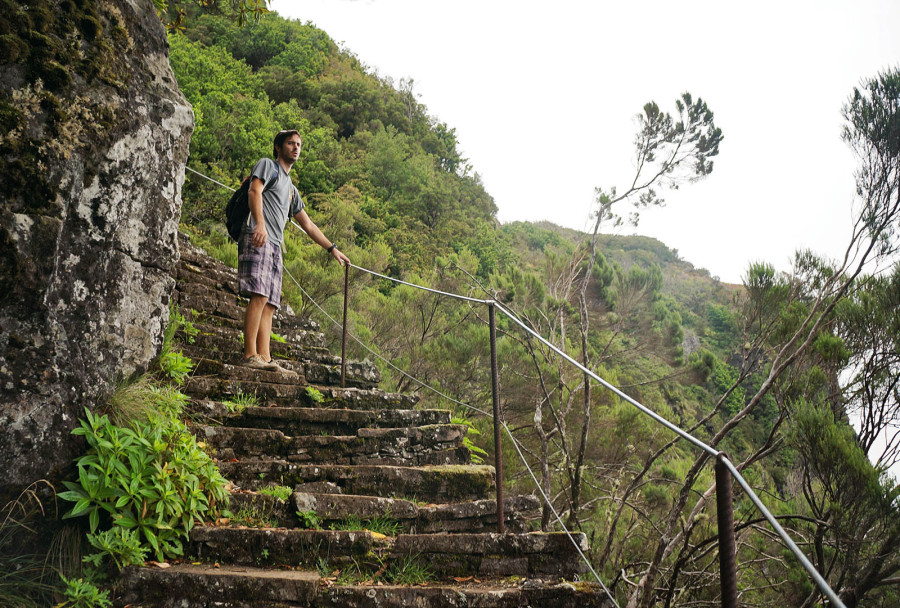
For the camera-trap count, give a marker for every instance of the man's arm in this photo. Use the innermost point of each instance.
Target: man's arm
(254, 199)
(315, 234)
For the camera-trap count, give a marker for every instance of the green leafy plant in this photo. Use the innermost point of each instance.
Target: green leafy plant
(478, 454)
(314, 394)
(279, 492)
(277, 338)
(121, 546)
(240, 402)
(172, 362)
(151, 477)
(309, 520)
(83, 594)
(176, 366)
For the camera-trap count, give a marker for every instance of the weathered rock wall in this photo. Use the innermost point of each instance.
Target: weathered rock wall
(94, 135)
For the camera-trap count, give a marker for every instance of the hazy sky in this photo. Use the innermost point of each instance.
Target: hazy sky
(543, 97)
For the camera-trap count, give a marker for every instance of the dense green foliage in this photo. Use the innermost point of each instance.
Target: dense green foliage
(754, 370)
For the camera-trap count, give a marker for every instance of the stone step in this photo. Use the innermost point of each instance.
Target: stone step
(540, 554)
(205, 586)
(527, 593)
(225, 343)
(431, 444)
(409, 517)
(331, 421)
(358, 374)
(275, 547)
(432, 484)
(270, 388)
(534, 554)
(297, 396)
(209, 586)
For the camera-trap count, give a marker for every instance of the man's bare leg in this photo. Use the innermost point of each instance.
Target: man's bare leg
(264, 334)
(253, 317)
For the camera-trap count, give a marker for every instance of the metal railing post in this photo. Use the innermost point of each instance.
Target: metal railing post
(344, 334)
(727, 551)
(495, 386)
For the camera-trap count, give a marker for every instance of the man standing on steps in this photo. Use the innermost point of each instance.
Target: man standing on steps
(272, 198)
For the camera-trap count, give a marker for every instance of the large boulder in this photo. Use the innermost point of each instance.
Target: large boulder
(94, 136)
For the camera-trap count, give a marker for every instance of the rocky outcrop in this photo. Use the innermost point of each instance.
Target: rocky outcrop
(94, 135)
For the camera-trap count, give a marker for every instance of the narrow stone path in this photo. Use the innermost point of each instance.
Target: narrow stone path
(349, 460)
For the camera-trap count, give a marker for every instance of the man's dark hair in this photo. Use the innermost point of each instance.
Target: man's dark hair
(279, 140)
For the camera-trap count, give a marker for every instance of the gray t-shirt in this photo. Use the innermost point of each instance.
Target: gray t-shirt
(280, 198)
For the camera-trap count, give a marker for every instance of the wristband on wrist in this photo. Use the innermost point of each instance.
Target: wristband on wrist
(330, 249)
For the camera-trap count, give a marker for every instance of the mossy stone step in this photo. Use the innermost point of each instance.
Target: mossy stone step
(489, 594)
(282, 546)
(431, 444)
(221, 278)
(227, 308)
(532, 554)
(207, 586)
(267, 387)
(410, 517)
(300, 396)
(471, 516)
(433, 484)
(331, 421)
(326, 370)
(226, 343)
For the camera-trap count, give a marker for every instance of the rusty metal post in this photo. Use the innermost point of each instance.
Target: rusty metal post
(727, 550)
(344, 334)
(495, 386)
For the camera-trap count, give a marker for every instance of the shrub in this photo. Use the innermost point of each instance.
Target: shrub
(151, 477)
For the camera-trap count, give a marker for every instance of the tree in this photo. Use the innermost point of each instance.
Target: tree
(174, 12)
(669, 153)
(783, 339)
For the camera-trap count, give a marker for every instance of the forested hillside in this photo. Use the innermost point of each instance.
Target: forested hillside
(769, 371)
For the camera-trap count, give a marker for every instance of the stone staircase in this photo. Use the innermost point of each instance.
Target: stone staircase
(355, 459)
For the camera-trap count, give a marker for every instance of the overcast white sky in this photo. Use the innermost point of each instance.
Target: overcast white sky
(543, 97)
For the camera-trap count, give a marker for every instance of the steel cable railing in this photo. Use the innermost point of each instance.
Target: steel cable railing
(725, 469)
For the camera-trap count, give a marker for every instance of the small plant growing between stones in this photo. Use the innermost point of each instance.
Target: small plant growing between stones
(280, 339)
(314, 394)
(279, 492)
(172, 362)
(408, 571)
(380, 524)
(240, 402)
(478, 454)
(253, 517)
(176, 366)
(309, 519)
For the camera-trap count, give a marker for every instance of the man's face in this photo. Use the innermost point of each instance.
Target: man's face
(290, 149)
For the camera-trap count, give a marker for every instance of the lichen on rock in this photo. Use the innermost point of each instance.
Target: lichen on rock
(94, 135)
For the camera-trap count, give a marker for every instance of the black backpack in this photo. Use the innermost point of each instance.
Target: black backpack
(237, 210)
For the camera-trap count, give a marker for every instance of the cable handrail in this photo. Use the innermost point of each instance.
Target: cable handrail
(823, 585)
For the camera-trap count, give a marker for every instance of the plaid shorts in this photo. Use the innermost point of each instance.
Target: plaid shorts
(259, 269)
